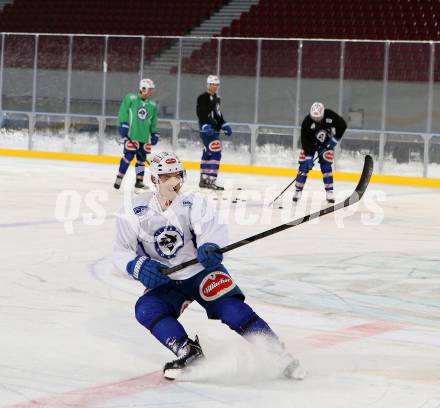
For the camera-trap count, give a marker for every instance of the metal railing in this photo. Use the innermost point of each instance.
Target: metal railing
(387, 91)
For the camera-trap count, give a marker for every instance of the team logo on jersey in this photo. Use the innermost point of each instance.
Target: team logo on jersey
(321, 135)
(215, 285)
(142, 113)
(168, 241)
(215, 146)
(187, 204)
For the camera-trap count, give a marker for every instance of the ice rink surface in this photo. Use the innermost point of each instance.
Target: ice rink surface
(354, 295)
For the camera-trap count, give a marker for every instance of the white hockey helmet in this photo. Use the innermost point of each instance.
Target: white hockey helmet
(317, 111)
(166, 163)
(213, 80)
(146, 83)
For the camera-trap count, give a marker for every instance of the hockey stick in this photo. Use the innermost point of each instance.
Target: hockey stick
(299, 173)
(352, 199)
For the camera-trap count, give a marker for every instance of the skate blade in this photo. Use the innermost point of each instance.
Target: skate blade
(172, 373)
(140, 190)
(298, 374)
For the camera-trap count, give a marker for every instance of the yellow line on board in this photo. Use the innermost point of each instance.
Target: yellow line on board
(60, 156)
(230, 168)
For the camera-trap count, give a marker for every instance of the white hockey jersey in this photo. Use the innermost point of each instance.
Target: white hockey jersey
(171, 236)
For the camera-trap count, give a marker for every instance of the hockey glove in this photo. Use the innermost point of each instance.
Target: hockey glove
(155, 138)
(306, 165)
(207, 257)
(227, 129)
(208, 130)
(147, 272)
(331, 144)
(124, 127)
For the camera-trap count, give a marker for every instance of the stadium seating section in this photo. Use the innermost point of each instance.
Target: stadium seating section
(348, 19)
(129, 17)
(342, 19)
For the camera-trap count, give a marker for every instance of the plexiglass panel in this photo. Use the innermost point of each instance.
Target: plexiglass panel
(87, 75)
(18, 71)
(52, 74)
(123, 71)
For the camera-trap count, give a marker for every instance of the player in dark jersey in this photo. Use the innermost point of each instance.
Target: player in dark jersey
(211, 122)
(321, 131)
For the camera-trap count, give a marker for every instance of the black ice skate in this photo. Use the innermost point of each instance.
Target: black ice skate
(205, 181)
(187, 354)
(214, 186)
(209, 182)
(118, 182)
(330, 196)
(296, 196)
(140, 184)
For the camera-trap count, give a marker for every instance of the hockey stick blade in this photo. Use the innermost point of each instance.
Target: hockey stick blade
(282, 192)
(352, 199)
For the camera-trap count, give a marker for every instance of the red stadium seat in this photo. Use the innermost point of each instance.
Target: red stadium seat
(351, 19)
(164, 17)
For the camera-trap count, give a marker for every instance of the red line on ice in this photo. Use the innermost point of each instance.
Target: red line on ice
(99, 394)
(102, 393)
(351, 333)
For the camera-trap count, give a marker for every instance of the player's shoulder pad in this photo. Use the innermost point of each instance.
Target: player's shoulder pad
(307, 121)
(152, 102)
(330, 116)
(139, 204)
(330, 113)
(199, 201)
(131, 96)
(186, 200)
(203, 96)
(140, 210)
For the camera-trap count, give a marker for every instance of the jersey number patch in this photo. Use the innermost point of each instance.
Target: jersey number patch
(168, 241)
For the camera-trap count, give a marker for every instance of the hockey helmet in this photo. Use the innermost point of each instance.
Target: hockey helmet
(166, 163)
(317, 111)
(146, 83)
(213, 80)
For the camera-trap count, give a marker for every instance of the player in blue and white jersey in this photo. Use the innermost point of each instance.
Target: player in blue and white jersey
(163, 228)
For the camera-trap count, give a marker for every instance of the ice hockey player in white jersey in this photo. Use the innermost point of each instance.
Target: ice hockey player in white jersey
(163, 228)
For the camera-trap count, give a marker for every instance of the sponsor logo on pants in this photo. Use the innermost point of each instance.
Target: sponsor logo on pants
(215, 285)
(215, 146)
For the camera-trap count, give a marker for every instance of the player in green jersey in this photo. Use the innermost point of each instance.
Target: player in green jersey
(138, 129)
